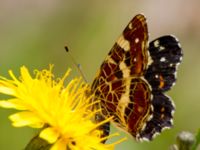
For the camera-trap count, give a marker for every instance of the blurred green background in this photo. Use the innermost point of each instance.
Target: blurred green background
(33, 33)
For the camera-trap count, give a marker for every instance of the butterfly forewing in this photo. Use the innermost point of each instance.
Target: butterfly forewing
(166, 54)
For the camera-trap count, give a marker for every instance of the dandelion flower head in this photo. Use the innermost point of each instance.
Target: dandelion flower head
(62, 112)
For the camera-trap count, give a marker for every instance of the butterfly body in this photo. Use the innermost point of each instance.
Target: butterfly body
(133, 78)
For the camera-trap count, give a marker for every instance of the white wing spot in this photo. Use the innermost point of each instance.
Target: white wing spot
(161, 48)
(180, 59)
(175, 38)
(162, 59)
(137, 40)
(135, 59)
(156, 43)
(130, 26)
(171, 65)
(177, 64)
(123, 43)
(179, 45)
(156, 76)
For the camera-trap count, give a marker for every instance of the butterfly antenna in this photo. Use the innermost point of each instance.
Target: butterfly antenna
(78, 66)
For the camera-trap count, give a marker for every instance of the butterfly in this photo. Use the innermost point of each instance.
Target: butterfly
(132, 81)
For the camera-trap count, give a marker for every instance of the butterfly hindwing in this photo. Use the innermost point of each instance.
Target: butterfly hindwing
(162, 117)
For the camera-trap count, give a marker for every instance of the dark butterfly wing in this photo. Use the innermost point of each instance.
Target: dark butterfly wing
(166, 54)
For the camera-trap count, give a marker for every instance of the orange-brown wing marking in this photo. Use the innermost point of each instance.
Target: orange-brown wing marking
(137, 34)
(139, 108)
(129, 55)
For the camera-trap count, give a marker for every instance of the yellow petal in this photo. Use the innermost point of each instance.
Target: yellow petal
(26, 119)
(7, 90)
(13, 76)
(59, 145)
(7, 104)
(25, 74)
(12, 103)
(49, 134)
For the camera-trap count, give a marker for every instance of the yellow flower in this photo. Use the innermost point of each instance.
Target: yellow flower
(63, 113)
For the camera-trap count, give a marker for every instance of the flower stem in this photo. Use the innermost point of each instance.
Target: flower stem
(37, 144)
